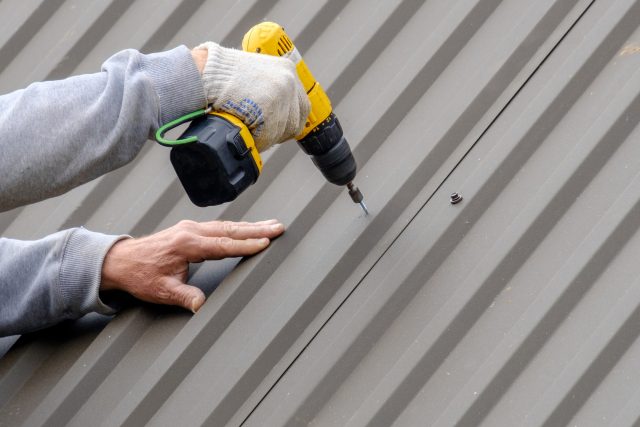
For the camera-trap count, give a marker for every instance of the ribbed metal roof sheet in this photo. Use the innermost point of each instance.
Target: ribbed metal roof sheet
(517, 306)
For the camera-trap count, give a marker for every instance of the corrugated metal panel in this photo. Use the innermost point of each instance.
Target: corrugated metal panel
(516, 306)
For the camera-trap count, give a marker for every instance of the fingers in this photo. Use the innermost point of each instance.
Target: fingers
(235, 230)
(211, 248)
(222, 239)
(183, 295)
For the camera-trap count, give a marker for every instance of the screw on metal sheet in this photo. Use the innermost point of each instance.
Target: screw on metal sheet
(455, 198)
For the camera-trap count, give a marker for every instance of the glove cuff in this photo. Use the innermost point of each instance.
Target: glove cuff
(219, 71)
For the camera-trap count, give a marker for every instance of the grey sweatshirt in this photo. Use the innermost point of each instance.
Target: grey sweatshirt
(57, 135)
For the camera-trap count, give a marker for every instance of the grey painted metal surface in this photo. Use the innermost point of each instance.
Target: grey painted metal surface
(517, 306)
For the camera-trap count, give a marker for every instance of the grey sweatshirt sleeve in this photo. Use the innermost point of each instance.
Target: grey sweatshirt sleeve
(57, 135)
(45, 281)
(60, 134)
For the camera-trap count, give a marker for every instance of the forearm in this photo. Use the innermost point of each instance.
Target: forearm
(60, 134)
(45, 281)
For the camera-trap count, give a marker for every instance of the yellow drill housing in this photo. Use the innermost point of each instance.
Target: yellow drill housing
(322, 137)
(270, 38)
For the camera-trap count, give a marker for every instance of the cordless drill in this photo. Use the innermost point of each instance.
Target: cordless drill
(216, 157)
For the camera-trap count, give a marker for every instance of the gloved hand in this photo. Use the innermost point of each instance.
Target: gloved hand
(262, 90)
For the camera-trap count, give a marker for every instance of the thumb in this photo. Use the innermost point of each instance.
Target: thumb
(187, 296)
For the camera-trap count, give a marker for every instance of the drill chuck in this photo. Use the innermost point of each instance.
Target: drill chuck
(337, 165)
(330, 151)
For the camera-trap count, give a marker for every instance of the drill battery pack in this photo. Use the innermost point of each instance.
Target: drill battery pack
(220, 164)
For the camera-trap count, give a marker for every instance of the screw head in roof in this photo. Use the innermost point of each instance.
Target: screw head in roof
(455, 198)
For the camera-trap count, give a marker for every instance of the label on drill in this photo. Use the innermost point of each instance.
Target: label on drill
(293, 55)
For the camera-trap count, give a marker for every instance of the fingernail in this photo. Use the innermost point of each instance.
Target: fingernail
(277, 227)
(264, 241)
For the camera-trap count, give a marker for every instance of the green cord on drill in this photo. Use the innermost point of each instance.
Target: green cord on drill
(177, 122)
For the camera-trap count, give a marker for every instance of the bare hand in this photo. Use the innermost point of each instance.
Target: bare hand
(155, 268)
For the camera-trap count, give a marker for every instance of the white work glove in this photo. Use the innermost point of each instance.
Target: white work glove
(262, 90)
